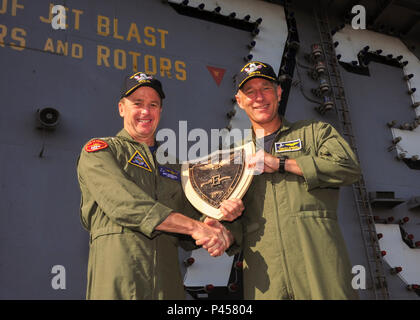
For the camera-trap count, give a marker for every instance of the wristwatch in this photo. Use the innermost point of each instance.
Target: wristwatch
(282, 163)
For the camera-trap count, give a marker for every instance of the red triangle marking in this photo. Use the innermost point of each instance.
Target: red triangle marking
(217, 74)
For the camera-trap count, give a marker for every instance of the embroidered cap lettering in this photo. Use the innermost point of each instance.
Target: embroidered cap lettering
(138, 160)
(96, 145)
(286, 146)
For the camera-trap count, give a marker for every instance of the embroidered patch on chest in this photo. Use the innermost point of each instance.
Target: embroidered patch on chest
(286, 146)
(169, 173)
(138, 160)
(95, 145)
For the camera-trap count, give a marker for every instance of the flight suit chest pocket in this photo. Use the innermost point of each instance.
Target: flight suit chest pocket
(169, 189)
(143, 178)
(139, 168)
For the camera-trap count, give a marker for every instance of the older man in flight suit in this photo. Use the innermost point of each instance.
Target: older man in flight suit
(293, 246)
(132, 205)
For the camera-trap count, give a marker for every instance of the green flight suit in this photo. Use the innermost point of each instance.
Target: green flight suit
(293, 246)
(124, 197)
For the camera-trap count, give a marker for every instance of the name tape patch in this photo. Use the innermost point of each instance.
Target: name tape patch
(96, 145)
(169, 173)
(286, 146)
(138, 160)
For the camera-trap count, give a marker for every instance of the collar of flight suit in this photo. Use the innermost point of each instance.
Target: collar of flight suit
(126, 136)
(285, 126)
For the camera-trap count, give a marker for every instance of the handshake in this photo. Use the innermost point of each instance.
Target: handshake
(212, 235)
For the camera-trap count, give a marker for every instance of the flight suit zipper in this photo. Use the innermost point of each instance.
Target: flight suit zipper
(154, 241)
(283, 258)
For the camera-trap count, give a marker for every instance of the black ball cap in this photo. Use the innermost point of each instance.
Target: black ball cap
(255, 69)
(140, 79)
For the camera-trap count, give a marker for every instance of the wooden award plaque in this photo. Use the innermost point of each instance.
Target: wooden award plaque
(219, 176)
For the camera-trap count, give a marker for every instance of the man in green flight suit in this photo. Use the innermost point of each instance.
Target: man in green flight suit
(293, 247)
(135, 210)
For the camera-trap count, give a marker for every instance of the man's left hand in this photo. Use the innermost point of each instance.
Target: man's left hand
(231, 209)
(263, 162)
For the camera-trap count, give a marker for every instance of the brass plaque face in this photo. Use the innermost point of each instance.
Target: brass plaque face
(208, 181)
(214, 183)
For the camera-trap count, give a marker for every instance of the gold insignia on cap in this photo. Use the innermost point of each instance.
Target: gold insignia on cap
(141, 77)
(252, 66)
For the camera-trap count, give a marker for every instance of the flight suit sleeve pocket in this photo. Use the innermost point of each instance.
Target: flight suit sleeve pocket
(333, 149)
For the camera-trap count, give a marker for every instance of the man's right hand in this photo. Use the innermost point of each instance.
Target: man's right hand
(213, 237)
